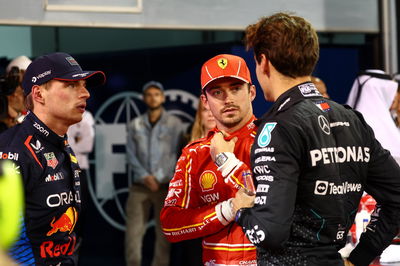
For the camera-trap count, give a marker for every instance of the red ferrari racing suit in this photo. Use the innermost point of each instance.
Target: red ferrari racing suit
(192, 208)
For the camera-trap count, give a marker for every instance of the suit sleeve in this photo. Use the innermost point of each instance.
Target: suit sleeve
(275, 172)
(383, 184)
(183, 216)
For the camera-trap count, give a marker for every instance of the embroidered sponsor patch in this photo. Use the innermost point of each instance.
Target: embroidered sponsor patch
(73, 158)
(71, 61)
(222, 63)
(51, 159)
(309, 90)
(208, 179)
(323, 106)
(265, 136)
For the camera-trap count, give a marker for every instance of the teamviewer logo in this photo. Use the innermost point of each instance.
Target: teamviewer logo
(321, 187)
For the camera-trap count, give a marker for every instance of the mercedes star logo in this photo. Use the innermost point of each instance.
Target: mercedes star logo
(324, 124)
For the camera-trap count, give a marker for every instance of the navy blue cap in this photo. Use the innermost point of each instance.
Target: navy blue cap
(153, 84)
(59, 66)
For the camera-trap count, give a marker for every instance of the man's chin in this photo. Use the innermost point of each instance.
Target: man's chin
(231, 122)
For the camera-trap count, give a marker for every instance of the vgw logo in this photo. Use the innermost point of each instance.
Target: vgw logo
(109, 186)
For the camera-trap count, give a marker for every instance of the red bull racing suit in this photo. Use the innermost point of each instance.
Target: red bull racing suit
(50, 175)
(311, 161)
(192, 208)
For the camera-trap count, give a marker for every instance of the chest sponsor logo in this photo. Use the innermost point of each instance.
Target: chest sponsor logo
(210, 197)
(340, 124)
(37, 146)
(262, 188)
(265, 149)
(265, 159)
(177, 183)
(55, 177)
(9, 156)
(260, 200)
(173, 192)
(65, 223)
(41, 129)
(269, 178)
(329, 188)
(171, 202)
(265, 136)
(255, 235)
(324, 124)
(308, 90)
(50, 249)
(73, 158)
(51, 159)
(339, 155)
(63, 198)
(261, 169)
(208, 179)
(77, 173)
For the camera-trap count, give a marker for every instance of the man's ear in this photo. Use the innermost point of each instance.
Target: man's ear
(37, 95)
(203, 98)
(253, 92)
(264, 64)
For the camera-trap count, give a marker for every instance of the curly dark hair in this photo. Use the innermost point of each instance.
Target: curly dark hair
(289, 42)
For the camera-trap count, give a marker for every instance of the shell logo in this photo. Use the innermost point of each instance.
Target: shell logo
(207, 180)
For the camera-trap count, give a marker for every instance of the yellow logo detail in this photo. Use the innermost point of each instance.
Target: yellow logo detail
(223, 63)
(207, 180)
(73, 158)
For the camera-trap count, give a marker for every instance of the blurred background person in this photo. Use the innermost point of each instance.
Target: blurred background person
(152, 143)
(320, 86)
(11, 93)
(373, 94)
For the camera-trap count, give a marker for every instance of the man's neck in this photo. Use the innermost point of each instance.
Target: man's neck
(155, 114)
(282, 84)
(54, 124)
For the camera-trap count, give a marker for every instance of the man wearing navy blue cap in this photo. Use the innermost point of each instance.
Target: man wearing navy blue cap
(56, 91)
(151, 154)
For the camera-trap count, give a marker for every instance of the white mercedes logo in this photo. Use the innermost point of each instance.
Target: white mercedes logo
(324, 124)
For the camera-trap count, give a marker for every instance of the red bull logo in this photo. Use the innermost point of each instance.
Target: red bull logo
(65, 223)
(51, 249)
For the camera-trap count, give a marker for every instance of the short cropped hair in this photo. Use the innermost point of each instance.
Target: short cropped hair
(289, 42)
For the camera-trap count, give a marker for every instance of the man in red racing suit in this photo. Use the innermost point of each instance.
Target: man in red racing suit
(201, 196)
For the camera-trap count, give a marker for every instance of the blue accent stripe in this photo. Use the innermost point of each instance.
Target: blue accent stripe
(22, 251)
(322, 225)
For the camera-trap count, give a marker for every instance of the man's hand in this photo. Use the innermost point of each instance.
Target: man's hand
(242, 200)
(219, 144)
(347, 263)
(151, 183)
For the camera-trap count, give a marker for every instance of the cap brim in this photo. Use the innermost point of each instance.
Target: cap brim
(224, 76)
(93, 78)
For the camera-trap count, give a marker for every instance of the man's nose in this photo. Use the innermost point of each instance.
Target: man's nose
(85, 93)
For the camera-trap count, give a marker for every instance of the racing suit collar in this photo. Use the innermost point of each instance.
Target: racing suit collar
(43, 131)
(289, 98)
